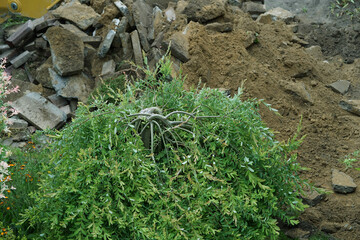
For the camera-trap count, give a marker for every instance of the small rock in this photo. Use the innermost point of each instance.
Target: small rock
(15, 123)
(4, 48)
(38, 111)
(265, 19)
(126, 45)
(281, 14)
(352, 106)
(312, 197)
(253, 7)
(297, 233)
(82, 15)
(296, 39)
(58, 100)
(67, 51)
(106, 43)
(179, 46)
(22, 34)
(136, 48)
(342, 183)
(41, 43)
(341, 86)
(108, 68)
(299, 90)
(18, 144)
(143, 20)
(203, 10)
(30, 47)
(75, 86)
(21, 59)
(170, 14)
(219, 27)
(21, 136)
(67, 110)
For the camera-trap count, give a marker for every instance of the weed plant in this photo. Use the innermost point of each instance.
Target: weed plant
(349, 8)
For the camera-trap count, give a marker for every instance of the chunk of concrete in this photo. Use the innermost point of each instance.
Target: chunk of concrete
(21, 35)
(92, 40)
(39, 112)
(142, 13)
(220, 27)
(281, 14)
(253, 7)
(80, 14)
(74, 29)
(179, 46)
(108, 67)
(76, 86)
(58, 100)
(352, 106)
(125, 12)
(21, 59)
(136, 48)
(342, 183)
(16, 123)
(203, 10)
(126, 45)
(312, 197)
(4, 48)
(67, 51)
(341, 86)
(106, 43)
(299, 90)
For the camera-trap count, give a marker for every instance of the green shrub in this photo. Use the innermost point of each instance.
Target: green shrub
(208, 168)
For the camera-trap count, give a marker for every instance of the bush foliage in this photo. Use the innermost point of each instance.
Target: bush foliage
(215, 172)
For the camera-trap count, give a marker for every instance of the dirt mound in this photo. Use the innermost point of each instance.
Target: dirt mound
(276, 68)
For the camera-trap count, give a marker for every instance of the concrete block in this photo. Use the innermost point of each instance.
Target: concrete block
(21, 59)
(137, 48)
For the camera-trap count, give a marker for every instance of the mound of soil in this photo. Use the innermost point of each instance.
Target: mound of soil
(276, 68)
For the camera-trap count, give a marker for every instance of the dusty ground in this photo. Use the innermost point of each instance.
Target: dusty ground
(269, 70)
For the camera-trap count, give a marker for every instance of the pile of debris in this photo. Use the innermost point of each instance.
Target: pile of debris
(58, 59)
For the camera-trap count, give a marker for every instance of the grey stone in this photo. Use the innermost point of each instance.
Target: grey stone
(312, 197)
(170, 14)
(108, 68)
(4, 48)
(106, 43)
(265, 19)
(126, 45)
(67, 110)
(42, 73)
(82, 15)
(253, 7)
(67, 51)
(281, 14)
(28, 73)
(342, 183)
(16, 123)
(6, 142)
(41, 43)
(18, 144)
(136, 48)
(38, 111)
(21, 136)
(77, 86)
(158, 40)
(219, 27)
(39, 23)
(9, 54)
(157, 21)
(58, 100)
(179, 46)
(142, 13)
(299, 90)
(123, 25)
(125, 12)
(352, 106)
(22, 34)
(21, 59)
(72, 28)
(236, 3)
(341, 86)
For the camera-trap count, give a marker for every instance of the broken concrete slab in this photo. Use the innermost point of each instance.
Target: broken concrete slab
(58, 100)
(125, 12)
(22, 34)
(67, 51)
(352, 106)
(39, 112)
(253, 7)
(21, 59)
(157, 21)
(281, 14)
(136, 48)
(342, 183)
(76, 86)
(179, 46)
(108, 68)
(82, 15)
(341, 86)
(203, 10)
(92, 40)
(126, 45)
(142, 13)
(106, 43)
